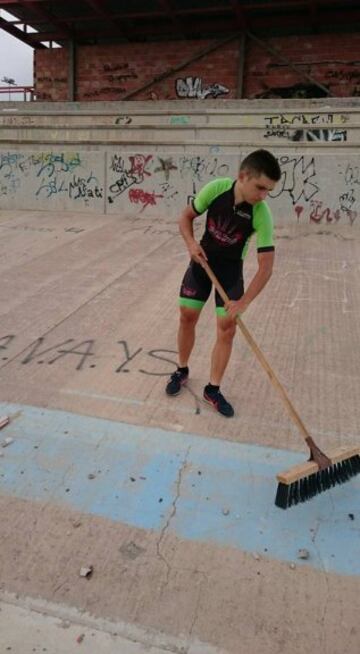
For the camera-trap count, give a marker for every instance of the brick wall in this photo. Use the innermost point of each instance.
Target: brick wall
(328, 58)
(109, 72)
(51, 74)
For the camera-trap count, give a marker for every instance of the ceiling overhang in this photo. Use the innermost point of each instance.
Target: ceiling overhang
(101, 21)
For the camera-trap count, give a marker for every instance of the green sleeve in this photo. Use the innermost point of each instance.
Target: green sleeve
(209, 192)
(264, 227)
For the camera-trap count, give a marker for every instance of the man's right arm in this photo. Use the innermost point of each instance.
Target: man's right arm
(187, 232)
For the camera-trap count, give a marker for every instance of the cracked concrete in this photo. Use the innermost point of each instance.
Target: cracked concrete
(171, 515)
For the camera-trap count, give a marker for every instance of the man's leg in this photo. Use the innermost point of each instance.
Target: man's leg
(226, 328)
(186, 333)
(186, 339)
(219, 360)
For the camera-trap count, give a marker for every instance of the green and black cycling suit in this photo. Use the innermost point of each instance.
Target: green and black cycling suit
(225, 241)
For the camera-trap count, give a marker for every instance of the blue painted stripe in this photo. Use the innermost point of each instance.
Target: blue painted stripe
(54, 452)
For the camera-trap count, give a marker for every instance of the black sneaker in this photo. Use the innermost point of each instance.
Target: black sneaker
(176, 381)
(217, 400)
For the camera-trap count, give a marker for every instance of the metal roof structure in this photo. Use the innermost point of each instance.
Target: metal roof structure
(101, 21)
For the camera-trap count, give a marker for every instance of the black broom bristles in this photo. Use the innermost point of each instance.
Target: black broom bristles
(305, 488)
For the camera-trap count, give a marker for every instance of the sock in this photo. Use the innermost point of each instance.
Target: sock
(184, 370)
(212, 388)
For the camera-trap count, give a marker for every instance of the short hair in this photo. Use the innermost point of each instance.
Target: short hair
(262, 162)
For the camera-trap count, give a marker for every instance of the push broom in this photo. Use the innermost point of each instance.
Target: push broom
(320, 472)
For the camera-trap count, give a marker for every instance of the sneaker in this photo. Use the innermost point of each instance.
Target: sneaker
(217, 400)
(176, 381)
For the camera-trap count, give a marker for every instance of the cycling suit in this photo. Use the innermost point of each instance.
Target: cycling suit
(228, 230)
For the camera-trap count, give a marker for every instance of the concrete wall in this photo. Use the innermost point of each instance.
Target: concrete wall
(111, 71)
(127, 158)
(313, 188)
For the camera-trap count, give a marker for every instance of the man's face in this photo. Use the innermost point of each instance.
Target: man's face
(255, 189)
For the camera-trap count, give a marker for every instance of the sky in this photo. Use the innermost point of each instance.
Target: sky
(16, 61)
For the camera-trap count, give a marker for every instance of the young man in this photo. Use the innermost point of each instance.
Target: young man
(235, 210)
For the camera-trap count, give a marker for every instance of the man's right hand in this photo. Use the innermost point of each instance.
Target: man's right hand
(196, 252)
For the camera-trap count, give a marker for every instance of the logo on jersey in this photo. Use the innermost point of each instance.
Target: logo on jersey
(219, 233)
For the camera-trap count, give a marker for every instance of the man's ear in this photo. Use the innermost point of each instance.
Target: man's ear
(242, 175)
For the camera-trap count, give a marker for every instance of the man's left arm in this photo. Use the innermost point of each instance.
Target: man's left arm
(258, 282)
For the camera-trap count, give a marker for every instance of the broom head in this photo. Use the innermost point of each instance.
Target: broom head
(304, 481)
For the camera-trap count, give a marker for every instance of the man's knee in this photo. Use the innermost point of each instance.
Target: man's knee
(226, 328)
(188, 317)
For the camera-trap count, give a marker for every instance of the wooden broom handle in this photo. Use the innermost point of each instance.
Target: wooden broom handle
(255, 348)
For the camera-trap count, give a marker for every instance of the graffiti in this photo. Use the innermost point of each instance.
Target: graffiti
(85, 354)
(352, 174)
(47, 79)
(320, 213)
(134, 173)
(81, 187)
(78, 187)
(117, 164)
(192, 87)
(320, 135)
(201, 168)
(139, 163)
(139, 196)
(166, 165)
(119, 186)
(297, 179)
(51, 187)
(9, 162)
(121, 78)
(51, 174)
(344, 76)
(179, 120)
(17, 120)
(347, 200)
(104, 90)
(123, 120)
(169, 191)
(323, 135)
(50, 163)
(113, 68)
(306, 119)
(295, 91)
(279, 131)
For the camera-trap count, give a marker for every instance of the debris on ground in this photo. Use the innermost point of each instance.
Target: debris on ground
(80, 638)
(292, 566)
(7, 441)
(256, 556)
(4, 420)
(226, 511)
(303, 553)
(91, 476)
(76, 524)
(86, 571)
(351, 516)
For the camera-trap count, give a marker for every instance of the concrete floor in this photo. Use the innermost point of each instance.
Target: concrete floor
(178, 513)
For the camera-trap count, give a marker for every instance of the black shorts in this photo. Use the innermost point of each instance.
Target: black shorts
(196, 285)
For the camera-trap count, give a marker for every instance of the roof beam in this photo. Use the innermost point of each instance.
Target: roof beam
(169, 11)
(100, 10)
(20, 34)
(42, 14)
(241, 20)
